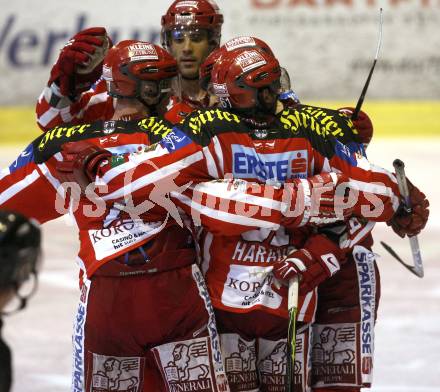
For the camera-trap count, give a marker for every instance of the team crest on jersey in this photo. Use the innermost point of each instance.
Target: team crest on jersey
(175, 140)
(109, 127)
(348, 152)
(239, 42)
(250, 59)
(25, 157)
(261, 133)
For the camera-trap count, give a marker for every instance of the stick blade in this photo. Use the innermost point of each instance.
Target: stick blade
(411, 268)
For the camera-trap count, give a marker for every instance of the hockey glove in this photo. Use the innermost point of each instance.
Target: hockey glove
(363, 125)
(317, 200)
(319, 259)
(411, 223)
(80, 162)
(79, 64)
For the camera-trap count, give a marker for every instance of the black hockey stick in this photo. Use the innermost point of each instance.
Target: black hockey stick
(292, 306)
(367, 83)
(417, 267)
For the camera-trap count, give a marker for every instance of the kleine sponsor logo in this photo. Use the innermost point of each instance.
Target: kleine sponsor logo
(145, 51)
(250, 59)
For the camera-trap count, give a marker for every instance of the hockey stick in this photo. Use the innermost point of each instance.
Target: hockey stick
(367, 83)
(417, 267)
(292, 306)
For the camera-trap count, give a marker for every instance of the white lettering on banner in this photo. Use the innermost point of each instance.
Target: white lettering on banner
(275, 166)
(247, 286)
(29, 47)
(109, 240)
(367, 293)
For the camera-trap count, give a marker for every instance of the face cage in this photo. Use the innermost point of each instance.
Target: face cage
(258, 106)
(214, 34)
(157, 88)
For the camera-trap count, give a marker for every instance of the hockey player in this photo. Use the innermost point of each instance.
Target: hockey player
(19, 259)
(75, 93)
(190, 32)
(263, 144)
(148, 252)
(125, 310)
(341, 302)
(342, 290)
(317, 120)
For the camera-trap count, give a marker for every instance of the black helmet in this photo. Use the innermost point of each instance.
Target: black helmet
(20, 241)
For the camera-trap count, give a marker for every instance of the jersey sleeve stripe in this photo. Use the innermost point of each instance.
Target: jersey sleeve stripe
(19, 186)
(225, 216)
(224, 190)
(219, 153)
(135, 159)
(210, 163)
(153, 177)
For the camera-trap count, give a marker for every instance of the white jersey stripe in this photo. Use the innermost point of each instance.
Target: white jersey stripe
(223, 215)
(19, 186)
(210, 163)
(135, 159)
(303, 310)
(219, 153)
(225, 190)
(153, 177)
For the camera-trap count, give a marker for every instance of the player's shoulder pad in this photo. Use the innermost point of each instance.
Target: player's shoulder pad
(317, 123)
(203, 124)
(51, 142)
(156, 128)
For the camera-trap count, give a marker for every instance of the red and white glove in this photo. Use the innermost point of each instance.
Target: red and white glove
(79, 64)
(80, 162)
(317, 200)
(318, 260)
(363, 124)
(411, 223)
